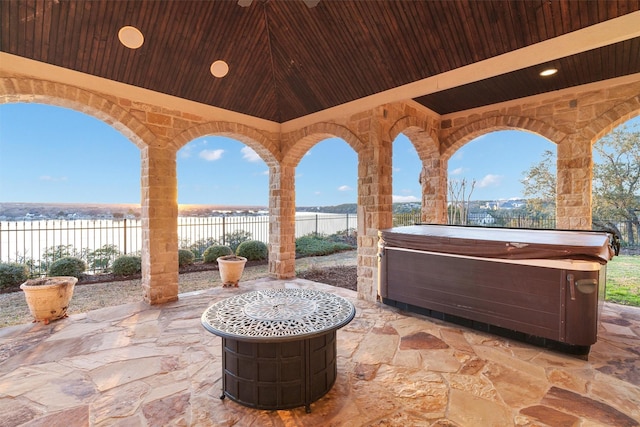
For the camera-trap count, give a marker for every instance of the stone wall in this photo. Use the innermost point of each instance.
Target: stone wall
(573, 119)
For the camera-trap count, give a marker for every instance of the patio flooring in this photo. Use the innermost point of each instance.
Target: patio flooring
(135, 365)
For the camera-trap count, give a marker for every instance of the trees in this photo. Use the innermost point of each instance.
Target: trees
(458, 210)
(616, 181)
(540, 184)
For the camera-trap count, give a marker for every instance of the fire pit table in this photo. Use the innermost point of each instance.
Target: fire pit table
(278, 345)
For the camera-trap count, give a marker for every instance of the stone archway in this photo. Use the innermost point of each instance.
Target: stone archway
(297, 144)
(159, 275)
(23, 90)
(611, 119)
(281, 251)
(458, 138)
(433, 176)
(266, 147)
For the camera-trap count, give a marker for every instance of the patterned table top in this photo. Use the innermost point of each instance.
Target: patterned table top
(278, 315)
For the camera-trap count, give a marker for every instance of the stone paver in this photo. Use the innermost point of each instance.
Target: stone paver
(157, 366)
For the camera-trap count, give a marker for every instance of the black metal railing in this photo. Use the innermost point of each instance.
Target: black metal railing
(39, 243)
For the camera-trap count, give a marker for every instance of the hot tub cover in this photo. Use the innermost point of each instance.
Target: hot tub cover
(506, 243)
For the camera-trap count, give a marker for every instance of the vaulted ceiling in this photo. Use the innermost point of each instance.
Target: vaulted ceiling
(289, 59)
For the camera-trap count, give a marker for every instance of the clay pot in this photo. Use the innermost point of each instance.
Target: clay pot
(48, 297)
(231, 269)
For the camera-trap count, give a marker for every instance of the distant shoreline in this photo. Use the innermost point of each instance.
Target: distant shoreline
(11, 211)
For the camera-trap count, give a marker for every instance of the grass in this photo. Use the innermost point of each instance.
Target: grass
(316, 245)
(623, 280)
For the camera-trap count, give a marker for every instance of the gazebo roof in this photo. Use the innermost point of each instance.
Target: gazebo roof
(290, 59)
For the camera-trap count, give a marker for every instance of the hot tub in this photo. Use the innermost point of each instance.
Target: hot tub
(541, 286)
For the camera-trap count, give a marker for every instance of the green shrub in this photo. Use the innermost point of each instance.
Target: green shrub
(12, 275)
(101, 258)
(67, 266)
(54, 253)
(213, 252)
(233, 240)
(185, 257)
(199, 246)
(126, 265)
(315, 245)
(252, 250)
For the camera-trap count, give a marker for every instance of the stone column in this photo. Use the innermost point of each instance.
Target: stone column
(574, 182)
(433, 180)
(374, 201)
(282, 222)
(159, 186)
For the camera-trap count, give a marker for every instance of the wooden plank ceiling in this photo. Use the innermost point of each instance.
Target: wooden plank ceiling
(288, 59)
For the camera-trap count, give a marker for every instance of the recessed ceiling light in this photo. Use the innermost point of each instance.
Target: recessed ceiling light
(131, 37)
(548, 72)
(219, 69)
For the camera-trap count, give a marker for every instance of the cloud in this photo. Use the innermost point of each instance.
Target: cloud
(186, 151)
(191, 148)
(404, 199)
(250, 155)
(396, 169)
(211, 155)
(458, 155)
(266, 172)
(344, 188)
(53, 178)
(489, 180)
(457, 171)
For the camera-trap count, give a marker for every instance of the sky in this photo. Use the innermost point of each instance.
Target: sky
(52, 154)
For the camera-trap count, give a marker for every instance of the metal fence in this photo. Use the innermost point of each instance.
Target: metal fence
(515, 221)
(99, 242)
(628, 234)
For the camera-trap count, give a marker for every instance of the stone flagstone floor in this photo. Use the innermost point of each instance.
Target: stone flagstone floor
(135, 365)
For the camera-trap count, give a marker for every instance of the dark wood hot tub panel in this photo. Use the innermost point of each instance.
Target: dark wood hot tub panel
(510, 296)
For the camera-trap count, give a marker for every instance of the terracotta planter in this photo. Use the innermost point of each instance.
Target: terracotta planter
(48, 298)
(231, 269)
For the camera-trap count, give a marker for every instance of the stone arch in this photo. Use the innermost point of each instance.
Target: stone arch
(16, 90)
(253, 138)
(432, 177)
(460, 137)
(419, 133)
(610, 119)
(311, 135)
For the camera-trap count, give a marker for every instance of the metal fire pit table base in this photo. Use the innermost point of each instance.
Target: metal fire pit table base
(278, 345)
(279, 375)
